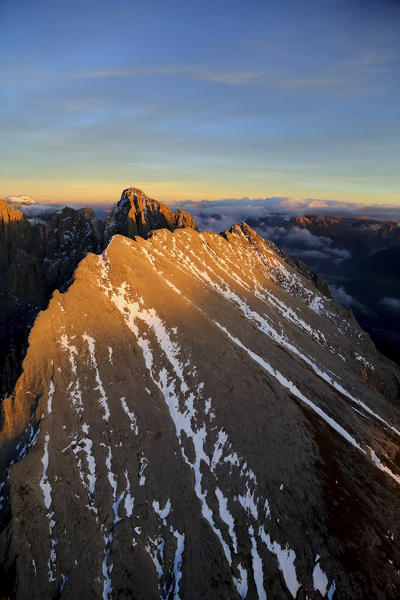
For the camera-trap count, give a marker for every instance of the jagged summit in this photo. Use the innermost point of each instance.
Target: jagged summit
(9, 213)
(138, 214)
(256, 240)
(134, 192)
(196, 420)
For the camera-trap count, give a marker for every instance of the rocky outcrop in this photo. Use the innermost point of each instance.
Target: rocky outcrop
(137, 214)
(73, 233)
(9, 216)
(297, 264)
(196, 420)
(356, 256)
(35, 259)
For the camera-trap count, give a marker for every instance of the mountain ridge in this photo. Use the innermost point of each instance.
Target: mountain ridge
(214, 421)
(342, 250)
(40, 256)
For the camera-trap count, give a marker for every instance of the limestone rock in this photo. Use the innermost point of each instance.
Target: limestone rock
(195, 419)
(137, 214)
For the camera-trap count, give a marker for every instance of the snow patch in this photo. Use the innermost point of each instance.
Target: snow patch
(103, 398)
(320, 580)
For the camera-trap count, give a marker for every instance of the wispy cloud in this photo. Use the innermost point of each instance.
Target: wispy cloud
(393, 303)
(229, 77)
(349, 74)
(304, 244)
(261, 101)
(343, 297)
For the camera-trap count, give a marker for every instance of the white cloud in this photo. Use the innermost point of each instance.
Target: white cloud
(304, 244)
(228, 77)
(23, 200)
(340, 295)
(30, 207)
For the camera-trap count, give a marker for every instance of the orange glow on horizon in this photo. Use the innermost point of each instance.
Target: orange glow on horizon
(95, 192)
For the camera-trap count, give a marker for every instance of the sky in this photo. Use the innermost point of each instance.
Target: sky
(200, 100)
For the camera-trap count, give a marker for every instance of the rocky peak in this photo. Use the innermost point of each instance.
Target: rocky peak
(15, 233)
(258, 242)
(245, 229)
(8, 213)
(74, 223)
(183, 219)
(195, 420)
(21, 289)
(138, 214)
(133, 194)
(14, 229)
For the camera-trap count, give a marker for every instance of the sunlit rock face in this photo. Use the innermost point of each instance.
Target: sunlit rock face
(195, 419)
(37, 257)
(137, 214)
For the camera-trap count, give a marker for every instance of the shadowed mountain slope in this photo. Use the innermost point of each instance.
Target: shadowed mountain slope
(194, 420)
(35, 259)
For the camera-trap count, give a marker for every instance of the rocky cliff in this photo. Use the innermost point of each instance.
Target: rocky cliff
(35, 259)
(137, 214)
(196, 420)
(22, 290)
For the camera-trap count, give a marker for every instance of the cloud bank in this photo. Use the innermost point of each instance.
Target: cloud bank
(221, 214)
(30, 207)
(22, 200)
(315, 250)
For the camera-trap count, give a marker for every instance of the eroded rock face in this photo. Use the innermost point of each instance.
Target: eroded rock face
(34, 260)
(196, 420)
(22, 289)
(72, 235)
(297, 264)
(137, 214)
(359, 257)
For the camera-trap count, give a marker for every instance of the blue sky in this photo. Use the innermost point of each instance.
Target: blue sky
(200, 100)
